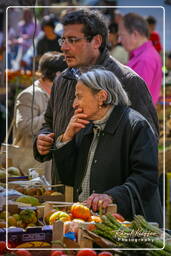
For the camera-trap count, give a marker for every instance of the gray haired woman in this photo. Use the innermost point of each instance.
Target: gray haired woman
(105, 145)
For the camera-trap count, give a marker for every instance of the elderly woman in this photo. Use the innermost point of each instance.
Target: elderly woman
(105, 145)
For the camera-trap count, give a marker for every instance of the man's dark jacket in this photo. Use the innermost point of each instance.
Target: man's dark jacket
(60, 111)
(126, 152)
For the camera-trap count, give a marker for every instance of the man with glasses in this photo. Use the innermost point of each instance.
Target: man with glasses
(84, 43)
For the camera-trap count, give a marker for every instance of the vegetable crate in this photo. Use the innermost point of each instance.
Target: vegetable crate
(65, 206)
(48, 235)
(60, 229)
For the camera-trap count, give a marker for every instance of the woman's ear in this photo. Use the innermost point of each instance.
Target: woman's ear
(102, 97)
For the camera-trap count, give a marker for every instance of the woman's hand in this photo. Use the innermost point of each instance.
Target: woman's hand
(97, 201)
(77, 122)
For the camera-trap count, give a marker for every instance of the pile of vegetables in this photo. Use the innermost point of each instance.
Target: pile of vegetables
(140, 234)
(78, 212)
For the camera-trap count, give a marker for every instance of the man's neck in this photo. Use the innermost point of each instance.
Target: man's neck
(92, 61)
(141, 42)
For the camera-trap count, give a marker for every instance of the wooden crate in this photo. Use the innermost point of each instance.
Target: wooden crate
(59, 241)
(83, 240)
(49, 205)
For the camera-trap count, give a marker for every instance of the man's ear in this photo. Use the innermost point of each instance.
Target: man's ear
(135, 34)
(97, 41)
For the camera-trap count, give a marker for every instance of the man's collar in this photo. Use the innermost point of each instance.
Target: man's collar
(69, 74)
(102, 57)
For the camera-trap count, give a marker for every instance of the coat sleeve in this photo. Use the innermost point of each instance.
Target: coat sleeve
(143, 162)
(65, 159)
(47, 127)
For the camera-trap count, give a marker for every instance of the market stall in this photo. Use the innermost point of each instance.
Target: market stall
(39, 217)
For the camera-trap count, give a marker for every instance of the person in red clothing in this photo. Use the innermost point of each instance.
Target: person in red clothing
(154, 35)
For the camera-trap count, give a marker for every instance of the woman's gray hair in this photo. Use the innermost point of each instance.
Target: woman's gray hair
(100, 79)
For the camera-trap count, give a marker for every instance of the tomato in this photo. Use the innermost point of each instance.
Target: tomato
(86, 253)
(105, 254)
(23, 253)
(118, 217)
(59, 215)
(57, 253)
(2, 247)
(80, 211)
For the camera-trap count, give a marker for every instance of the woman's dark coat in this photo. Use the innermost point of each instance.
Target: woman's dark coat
(126, 152)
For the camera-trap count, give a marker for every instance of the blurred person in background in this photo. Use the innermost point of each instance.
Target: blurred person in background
(115, 48)
(84, 43)
(143, 57)
(51, 64)
(46, 41)
(15, 16)
(26, 29)
(154, 35)
(49, 40)
(23, 38)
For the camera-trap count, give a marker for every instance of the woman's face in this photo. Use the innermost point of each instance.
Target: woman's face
(88, 101)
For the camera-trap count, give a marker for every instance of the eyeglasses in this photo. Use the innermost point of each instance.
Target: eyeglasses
(70, 40)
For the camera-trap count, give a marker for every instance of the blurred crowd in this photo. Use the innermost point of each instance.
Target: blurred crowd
(47, 29)
(44, 26)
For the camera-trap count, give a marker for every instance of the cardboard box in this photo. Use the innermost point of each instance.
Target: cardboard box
(16, 236)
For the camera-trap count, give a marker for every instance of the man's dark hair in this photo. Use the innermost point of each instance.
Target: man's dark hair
(47, 21)
(151, 20)
(94, 24)
(134, 22)
(50, 63)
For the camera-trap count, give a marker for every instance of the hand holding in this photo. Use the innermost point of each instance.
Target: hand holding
(97, 201)
(44, 143)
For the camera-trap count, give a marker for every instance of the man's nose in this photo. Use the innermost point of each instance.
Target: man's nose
(65, 46)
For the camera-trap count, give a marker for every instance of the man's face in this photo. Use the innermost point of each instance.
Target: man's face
(78, 52)
(127, 39)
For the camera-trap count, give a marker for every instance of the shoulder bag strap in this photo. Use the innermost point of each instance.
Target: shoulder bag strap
(131, 188)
